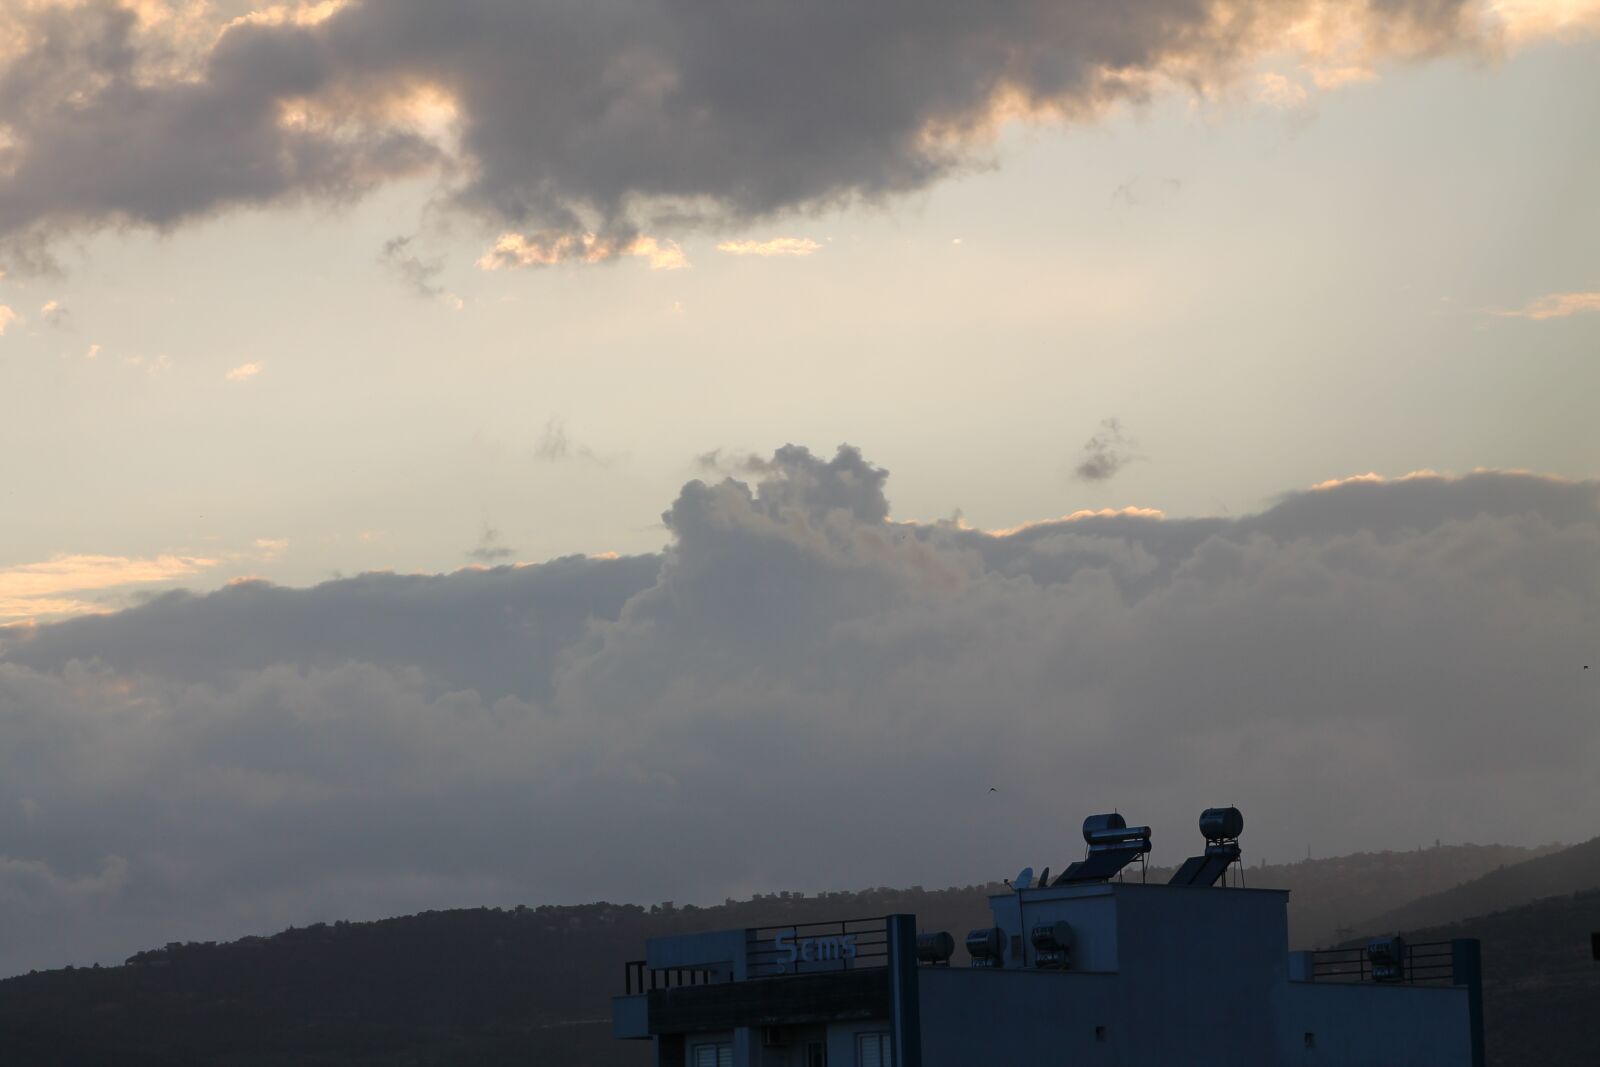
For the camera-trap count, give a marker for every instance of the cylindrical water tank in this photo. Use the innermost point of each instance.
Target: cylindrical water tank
(1216, 823)
(1098, 824)
(936, 947)
(986, 943)
(1052, 937)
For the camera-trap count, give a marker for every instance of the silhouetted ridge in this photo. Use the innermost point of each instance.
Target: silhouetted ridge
(1558, 873)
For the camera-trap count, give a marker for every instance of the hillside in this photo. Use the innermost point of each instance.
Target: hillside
(1557, 873)
(1541, 985)
(1331, 899)
(492, 986)
(482, 986)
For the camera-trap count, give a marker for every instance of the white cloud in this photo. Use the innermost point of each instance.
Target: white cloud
(7, 317)
(1556, 306)
(547, 249)
(1525, 21)
(243, 372)
(776, 246)
(150, 365)
(1278, 91)
(55, 587)
(56, 314)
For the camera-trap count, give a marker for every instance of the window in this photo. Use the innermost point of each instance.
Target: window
(872, 1050)
(816, 1054)
(712, 1055)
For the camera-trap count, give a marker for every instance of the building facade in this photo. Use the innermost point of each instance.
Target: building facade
(1093, 971)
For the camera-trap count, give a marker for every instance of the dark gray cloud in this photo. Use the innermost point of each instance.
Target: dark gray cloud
(604, 116)
(490, 547)
(798, 676)
(418, 273)
(1105, 454)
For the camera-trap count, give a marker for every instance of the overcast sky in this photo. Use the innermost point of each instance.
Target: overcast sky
(501, 452)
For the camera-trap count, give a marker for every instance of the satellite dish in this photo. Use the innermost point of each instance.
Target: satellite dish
(1024, 879)
(1044, 877)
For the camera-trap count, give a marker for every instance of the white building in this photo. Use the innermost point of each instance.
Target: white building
(1085, 970)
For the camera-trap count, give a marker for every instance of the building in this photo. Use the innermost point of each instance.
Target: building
(1093, 967)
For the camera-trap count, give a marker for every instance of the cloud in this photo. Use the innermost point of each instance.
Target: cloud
(56, 586)
(549, 248)
(1277, 91)
(7, 317)
(797, 674)
(1105, 454)
(556, 444)
(55, 314)
(1556, 306)
(777, 246)
(416, 272)
(573, 129)
(489, 548)
(1531, 20)
(151, 365)
(243, 372)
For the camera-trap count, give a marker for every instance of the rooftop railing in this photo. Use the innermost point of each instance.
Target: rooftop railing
(1426, 962)
(640, 977)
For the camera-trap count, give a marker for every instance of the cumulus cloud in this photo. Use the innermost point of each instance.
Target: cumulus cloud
(576, 129)
(776, 246)
(1557, 306)
(243, 372)
(1105, 454)
(7, 317)
(797, 675)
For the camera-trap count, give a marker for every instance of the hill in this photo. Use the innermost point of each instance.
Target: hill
(1329, 898)
(492, 986)
(1557, 873)
(1541, 985)
(481, 986)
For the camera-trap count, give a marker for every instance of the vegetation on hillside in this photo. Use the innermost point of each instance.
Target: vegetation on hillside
(533, 985)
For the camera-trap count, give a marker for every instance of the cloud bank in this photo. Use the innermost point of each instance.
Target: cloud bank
(800, 692)
(574, 128)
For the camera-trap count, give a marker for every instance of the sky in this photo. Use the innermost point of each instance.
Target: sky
(502, 452)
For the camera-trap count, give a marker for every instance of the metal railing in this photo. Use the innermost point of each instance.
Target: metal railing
(1424, 962)
(640, 977)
